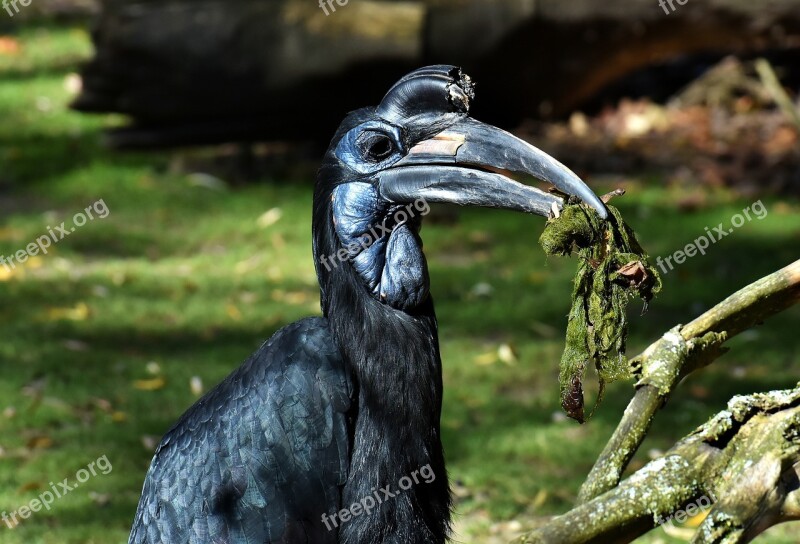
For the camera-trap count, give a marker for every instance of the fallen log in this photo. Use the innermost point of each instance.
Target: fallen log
(207, 71)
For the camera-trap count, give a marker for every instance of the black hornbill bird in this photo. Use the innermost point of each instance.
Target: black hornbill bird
(337, 409)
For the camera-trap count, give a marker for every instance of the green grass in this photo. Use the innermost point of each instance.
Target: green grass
(183, 276)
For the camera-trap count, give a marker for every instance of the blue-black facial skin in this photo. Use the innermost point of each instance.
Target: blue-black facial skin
(387, 255)
(354, 149)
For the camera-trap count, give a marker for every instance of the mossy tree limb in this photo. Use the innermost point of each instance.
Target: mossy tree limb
(679, 353)
(747, 457)
(760, 486)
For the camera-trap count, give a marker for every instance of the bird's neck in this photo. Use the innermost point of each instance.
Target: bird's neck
(397, 462)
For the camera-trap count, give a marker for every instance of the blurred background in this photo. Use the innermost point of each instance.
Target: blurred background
(198, 124)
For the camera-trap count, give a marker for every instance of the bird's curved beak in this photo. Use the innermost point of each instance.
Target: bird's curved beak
(453, 165)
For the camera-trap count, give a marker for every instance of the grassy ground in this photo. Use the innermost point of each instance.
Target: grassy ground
(105, 340)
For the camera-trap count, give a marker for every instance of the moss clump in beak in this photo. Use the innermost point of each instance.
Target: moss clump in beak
(613, 268)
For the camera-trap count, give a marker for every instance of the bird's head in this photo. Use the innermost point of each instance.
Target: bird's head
(385, 165)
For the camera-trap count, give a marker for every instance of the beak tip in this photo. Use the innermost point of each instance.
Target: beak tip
(582, 191)
(601, 209)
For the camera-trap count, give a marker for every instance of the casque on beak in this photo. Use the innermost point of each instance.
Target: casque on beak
(452, 166)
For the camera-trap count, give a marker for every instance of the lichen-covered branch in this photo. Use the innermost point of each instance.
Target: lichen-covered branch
(746, 457)
(759, 486)
(679, 353)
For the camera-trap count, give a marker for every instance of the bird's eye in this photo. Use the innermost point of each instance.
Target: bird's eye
(376, 146)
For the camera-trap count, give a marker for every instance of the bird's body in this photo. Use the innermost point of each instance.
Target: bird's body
(322, 435)
(283, 416)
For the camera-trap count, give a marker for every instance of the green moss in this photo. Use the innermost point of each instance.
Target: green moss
(613, 268)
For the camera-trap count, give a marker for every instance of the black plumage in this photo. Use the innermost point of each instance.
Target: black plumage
(335, 411)
(261, 456)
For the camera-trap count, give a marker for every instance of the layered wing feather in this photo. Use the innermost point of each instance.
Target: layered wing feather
(261, 457)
